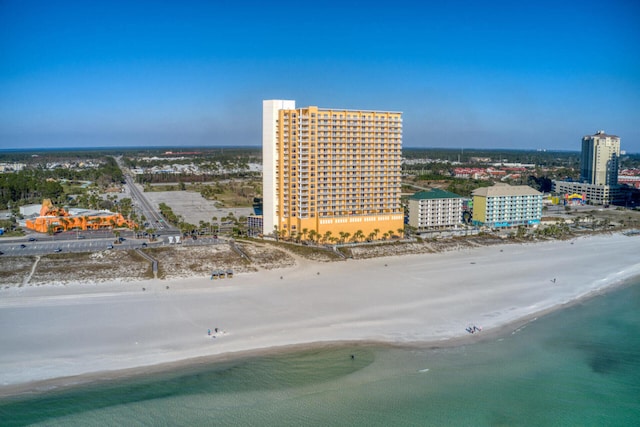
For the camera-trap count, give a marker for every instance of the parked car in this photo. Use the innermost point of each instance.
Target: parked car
(23, 246)
(58, 250)
(33, 239)
(110, 247)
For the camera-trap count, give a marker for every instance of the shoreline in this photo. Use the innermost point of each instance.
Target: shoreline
(62, 384)
(443, 334)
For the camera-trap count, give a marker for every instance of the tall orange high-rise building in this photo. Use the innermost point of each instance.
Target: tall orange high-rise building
(334, 171)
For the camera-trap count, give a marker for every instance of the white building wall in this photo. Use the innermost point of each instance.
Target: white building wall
(270, 110)
(29, 210)
(435, 213)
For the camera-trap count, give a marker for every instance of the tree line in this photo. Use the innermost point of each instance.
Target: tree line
(35, 183)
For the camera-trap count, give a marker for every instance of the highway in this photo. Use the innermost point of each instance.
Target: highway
(142, 204)
(67, 244)
(144, 207)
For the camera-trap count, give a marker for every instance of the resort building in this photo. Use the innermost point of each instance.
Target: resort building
(434, 209)
(505, 205)
(330, 172)
(599, 159)
(52, 219)
(598, 171)
(594, 194)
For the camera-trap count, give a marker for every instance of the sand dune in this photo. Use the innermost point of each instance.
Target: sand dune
(53, 331)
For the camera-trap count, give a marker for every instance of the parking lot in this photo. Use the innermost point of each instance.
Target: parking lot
(192, 206)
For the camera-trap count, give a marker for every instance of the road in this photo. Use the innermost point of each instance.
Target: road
(43, 247)
(142, 204)
(68, 244)
(145, 208)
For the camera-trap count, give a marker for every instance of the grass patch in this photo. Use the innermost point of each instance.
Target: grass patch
(308, 252)
(148, 274)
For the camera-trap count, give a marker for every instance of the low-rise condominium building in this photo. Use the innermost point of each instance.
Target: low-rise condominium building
(504, 205)
(434, 209)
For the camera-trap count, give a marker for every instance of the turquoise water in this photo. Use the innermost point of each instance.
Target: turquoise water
(576, 367)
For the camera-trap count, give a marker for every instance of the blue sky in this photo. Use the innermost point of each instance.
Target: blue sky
(472, 74)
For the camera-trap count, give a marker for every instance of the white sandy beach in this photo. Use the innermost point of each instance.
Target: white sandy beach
(56, 331)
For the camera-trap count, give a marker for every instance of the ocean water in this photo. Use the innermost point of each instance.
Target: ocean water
(576, 367)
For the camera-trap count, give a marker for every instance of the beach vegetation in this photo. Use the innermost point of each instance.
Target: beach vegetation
(318, 253)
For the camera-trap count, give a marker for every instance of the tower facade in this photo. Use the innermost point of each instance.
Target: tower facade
(599, 159)
(331, 174)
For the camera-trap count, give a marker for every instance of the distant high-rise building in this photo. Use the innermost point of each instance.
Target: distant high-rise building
(598, 171)
(599, 159)
(331, 173)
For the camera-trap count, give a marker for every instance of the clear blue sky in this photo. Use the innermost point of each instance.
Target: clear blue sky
(472, 74)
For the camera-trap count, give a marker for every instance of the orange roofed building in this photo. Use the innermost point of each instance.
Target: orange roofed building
(60, 220)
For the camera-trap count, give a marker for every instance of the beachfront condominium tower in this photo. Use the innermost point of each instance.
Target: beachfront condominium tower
(331, 174)
(599, 159)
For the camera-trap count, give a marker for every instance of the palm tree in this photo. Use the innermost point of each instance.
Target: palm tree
(358, 235)
(390, 233)
(375, 233)
(313, 235)
(209, 227)
(150, 234)
(304, 232)
(327, 236)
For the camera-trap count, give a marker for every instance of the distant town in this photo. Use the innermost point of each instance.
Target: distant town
(322, 177)
(86, 181)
